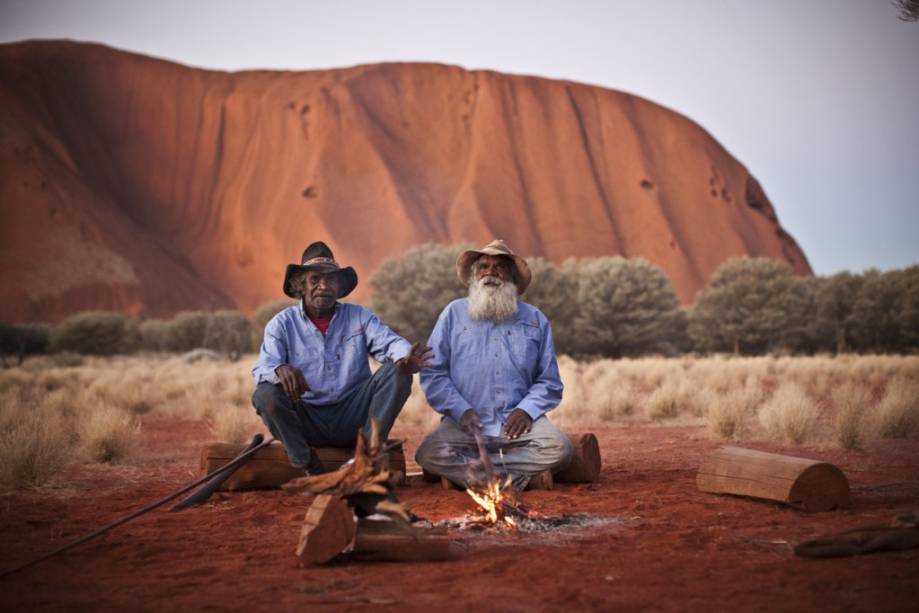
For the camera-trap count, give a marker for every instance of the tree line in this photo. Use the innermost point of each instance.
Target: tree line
(598, 307)
(616, 307)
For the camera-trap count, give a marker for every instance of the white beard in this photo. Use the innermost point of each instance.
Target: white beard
(492, 302)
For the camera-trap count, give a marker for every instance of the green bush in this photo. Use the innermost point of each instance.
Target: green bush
(229, 332)
(187, 331)
(753, 305)
(624, 308)
(155, 334)
(95, 333)
(20, 341)
(410, 291)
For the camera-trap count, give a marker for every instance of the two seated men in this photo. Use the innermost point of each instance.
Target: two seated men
(490, 370)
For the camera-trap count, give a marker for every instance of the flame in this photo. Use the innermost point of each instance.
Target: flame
(491, 501)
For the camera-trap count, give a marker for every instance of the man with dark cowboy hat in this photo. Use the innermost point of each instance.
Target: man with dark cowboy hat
(313, 380)
(494, 370)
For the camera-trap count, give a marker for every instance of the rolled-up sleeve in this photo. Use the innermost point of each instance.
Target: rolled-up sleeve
(273, 353)
(546, 392)
(438, 387)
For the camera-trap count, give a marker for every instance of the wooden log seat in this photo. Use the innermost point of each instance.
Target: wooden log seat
(269, 467)
(799, 482)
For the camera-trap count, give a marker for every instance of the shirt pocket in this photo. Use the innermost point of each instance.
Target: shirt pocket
(354, 344)
(524, 342)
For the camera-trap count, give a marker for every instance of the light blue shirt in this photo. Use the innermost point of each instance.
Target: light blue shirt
(492, 367)
(332, 364)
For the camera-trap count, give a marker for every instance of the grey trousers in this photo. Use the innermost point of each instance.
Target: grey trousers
(299, 425)
(452, 453)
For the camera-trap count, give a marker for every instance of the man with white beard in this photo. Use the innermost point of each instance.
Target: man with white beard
(494, 371)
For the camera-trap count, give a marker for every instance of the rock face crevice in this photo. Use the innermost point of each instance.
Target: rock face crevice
(139, 185)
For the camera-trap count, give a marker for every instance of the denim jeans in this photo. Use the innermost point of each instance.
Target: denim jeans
(299, 425)
(451, 452)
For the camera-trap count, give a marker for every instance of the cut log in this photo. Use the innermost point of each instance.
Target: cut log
(584, 467)
(328, 529)
(387, 540)
(269, 467)
(805, 484)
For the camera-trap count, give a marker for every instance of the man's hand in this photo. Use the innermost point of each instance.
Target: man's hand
(291, 379)
(419, 357)
(517, 424)
(470, 422)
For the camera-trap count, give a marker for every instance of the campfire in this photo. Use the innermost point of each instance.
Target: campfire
(498, 503)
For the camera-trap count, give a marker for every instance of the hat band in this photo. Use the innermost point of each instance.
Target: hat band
(320, 261)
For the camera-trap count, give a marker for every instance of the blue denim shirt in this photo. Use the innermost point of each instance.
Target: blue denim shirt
(492, 367)
(332, 364)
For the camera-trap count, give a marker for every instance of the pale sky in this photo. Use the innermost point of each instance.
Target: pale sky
(818, 98)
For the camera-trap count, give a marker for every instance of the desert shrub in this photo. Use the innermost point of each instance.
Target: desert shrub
(851, 403)
(752, 305)
(228, 332)
(95, 333)
(411, 290)
(670, 399)
(20, 341)
(624, 308)
(187, 330)
(789, 415)
(107, 434)
(155, 334)
(233, 423)
(727, 414)
(898, 411)
(262, 316)
(34, 442)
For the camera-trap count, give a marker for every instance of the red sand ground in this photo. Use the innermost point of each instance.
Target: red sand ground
(676, 548)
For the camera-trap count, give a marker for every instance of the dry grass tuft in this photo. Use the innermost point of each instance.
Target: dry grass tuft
(898, 411)
(234, 424)
(108, 434)
(728, 414)
(852, 403)
(789, 415)
(34, 444)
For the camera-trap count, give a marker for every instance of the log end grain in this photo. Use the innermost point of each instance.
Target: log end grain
(586, 463)
(820, 487)
(328, 529)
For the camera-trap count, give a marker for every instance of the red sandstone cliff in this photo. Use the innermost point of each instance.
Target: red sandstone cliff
(135, 184)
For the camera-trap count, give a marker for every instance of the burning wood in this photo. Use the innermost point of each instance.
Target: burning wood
(498, 500)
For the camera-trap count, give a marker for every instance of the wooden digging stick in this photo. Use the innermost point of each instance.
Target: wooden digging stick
(239, 460)
(201, 496)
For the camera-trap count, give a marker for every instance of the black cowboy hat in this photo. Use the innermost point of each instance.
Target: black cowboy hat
(319, 257)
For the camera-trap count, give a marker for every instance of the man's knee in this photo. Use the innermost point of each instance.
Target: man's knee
(554, 446)
(268, 398)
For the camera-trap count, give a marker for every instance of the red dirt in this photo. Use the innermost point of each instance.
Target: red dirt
(676, 548)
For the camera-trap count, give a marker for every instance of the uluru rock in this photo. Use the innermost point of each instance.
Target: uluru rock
(135, 184)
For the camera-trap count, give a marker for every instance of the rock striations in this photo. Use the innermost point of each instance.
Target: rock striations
(134, 184)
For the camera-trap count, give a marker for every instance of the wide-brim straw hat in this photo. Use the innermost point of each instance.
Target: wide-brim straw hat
(319, 257)
(464, 262)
